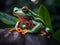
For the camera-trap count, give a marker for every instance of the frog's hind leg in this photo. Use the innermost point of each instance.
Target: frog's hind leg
(16, 28)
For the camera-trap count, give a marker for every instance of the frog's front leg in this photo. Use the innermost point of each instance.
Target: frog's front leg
(34, 29)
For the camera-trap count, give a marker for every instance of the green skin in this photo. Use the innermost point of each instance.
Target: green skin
(32, 14)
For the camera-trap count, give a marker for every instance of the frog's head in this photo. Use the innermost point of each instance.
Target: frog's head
(21, 11)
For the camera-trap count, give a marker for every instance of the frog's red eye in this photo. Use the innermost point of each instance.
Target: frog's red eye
(25, 9)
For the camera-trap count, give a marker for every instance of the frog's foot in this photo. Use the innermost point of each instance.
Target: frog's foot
(14, 29)
(11, 29)
(19, 30)
(22, 31)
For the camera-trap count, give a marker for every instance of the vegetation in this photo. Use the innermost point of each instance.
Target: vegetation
(49, 9)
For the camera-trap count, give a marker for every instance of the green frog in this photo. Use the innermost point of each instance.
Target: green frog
(29, 22)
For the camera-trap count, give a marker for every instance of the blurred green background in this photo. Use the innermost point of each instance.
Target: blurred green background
(53, 6)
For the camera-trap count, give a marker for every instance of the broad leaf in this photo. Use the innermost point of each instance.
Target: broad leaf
(8, 19)
(57, 35)
(44, 14)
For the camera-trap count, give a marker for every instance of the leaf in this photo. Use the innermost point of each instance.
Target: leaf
(44, 14)
(8, 19)
(57, 35)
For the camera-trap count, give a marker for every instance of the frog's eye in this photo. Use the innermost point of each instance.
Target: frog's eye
(25, 9)
(16, 10)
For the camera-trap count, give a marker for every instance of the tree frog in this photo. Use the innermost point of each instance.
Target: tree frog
(28, 22)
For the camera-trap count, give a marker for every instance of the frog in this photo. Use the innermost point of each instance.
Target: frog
(29, 22)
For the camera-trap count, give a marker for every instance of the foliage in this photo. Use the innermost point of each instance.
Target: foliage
(7, 19)
(57, 35)
(44, 14)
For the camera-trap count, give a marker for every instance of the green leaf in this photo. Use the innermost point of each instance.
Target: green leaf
(57, 35)
(8, 19)
(44, 14)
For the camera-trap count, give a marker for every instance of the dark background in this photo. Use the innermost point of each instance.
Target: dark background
(53, 7)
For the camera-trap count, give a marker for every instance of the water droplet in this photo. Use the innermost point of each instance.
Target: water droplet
(35, 1)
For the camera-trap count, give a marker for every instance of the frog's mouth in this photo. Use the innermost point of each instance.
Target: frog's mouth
(17, 14)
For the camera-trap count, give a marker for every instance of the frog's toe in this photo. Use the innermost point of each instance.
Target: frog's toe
(19, 30)
(11, 29)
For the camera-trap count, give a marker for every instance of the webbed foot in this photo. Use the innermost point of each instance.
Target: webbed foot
(22, 31)
(10, 29)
